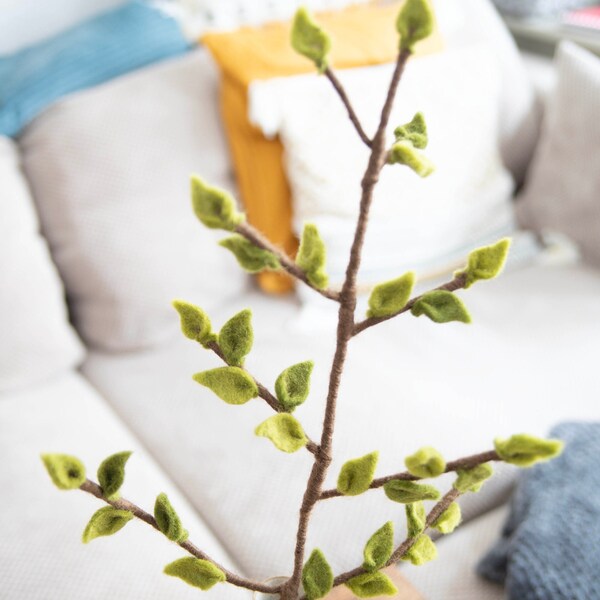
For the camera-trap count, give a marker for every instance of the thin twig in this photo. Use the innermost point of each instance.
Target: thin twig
(263, 393)
(339, 88)
(456, 284)
(122, 504)
(258, 239)
(345, 332)
(468, 462)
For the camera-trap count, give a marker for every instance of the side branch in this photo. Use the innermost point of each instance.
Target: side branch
(468, 462)
(456, 284)
(339, 88)
(95, 490)
(254, 236)
(263, 393)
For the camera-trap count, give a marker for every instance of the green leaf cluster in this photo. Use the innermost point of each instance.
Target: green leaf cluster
(293, 385)
(195, 572)
(250, 257)
(486, 262)
(422, 551)
(168, 520)
(441, 306)
(356, 475)
(66, 472)
(231, 384)
(317, 576)
(312, 255)
(407, 492)
(309, 40)
(106, 521)
(284, 431)
(392, 296)
(214, 207)
(404, 153)
(471, 480)
(415, 22)
(111, 474)
(525, 450)
(236, 338)
(379, 548)
(195, 323)
(426, 462)
(371, 585)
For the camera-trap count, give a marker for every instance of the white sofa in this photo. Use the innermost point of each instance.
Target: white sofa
(528, 362)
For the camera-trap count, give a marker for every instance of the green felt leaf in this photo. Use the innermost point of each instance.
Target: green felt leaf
(317, 576)
(195, 572)
(236, 338)
(414, 132)
(471, 480)
(312, 255)
(111, 474)
(195, 323)
(309, 39)
(441, 307)
(284, 431)
(168, 520)
(415, 518)
(293, 385)
(379, 548)
(486, 262)
(250, 257)
(356, 475)
(526, 450)
(408, 492)
(106, 521)
(66, 472)
(390, 297)
(214, 207)
(371, 585)
(426, 462)
(422, 551)
(404, 153)
(415, 22)
(231, 384)
(449, 520)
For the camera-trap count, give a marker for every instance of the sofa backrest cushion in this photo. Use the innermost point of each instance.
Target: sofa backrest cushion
(109, 170)
(36, 339)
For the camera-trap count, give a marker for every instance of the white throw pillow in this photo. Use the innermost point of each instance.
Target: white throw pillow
(109, 170)
(563, 187)
(415, 223)
(36, 339)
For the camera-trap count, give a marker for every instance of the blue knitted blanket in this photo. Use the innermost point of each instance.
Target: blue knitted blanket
(550, 544)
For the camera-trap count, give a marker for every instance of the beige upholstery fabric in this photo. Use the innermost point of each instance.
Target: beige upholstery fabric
(41, 552)
(109, 169)
(514, 369)
(452, 576)
(563, 186)
(36, 339)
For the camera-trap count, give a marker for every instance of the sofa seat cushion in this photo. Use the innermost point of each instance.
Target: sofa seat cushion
(452, 576)
(41, 552)
(528, 361)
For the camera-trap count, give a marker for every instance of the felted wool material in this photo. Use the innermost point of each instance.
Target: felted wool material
(550, 544)
(526, 450)
(415, 518)
(408, 492)
(471, 480)
(111, 44)
(111, 474)
(310, 40)
(371, 585)
(425, 462)
(284, 431)
(415, 22)
(236, 337)
(449, 520)
(214, 207)
(487, 262)
(317, 576)
(231, 384)
(356, 475)
(311, 256)
(250, 257)
(389, 297)
(168, 520)
(379, 548)
(441, 306)
(195, 323)
(106, 521)
(421, 552)
(66, 472)
(293, 385)
(195, 572)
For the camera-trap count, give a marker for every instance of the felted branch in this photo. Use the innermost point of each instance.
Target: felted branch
(122, 504)
(339, 88)
(258, 239)
(407, 544)
(263, 393)
(468, 462)
(345, 332)
(456, 284)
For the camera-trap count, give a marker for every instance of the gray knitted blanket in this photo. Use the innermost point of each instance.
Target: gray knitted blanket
(550, 544)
